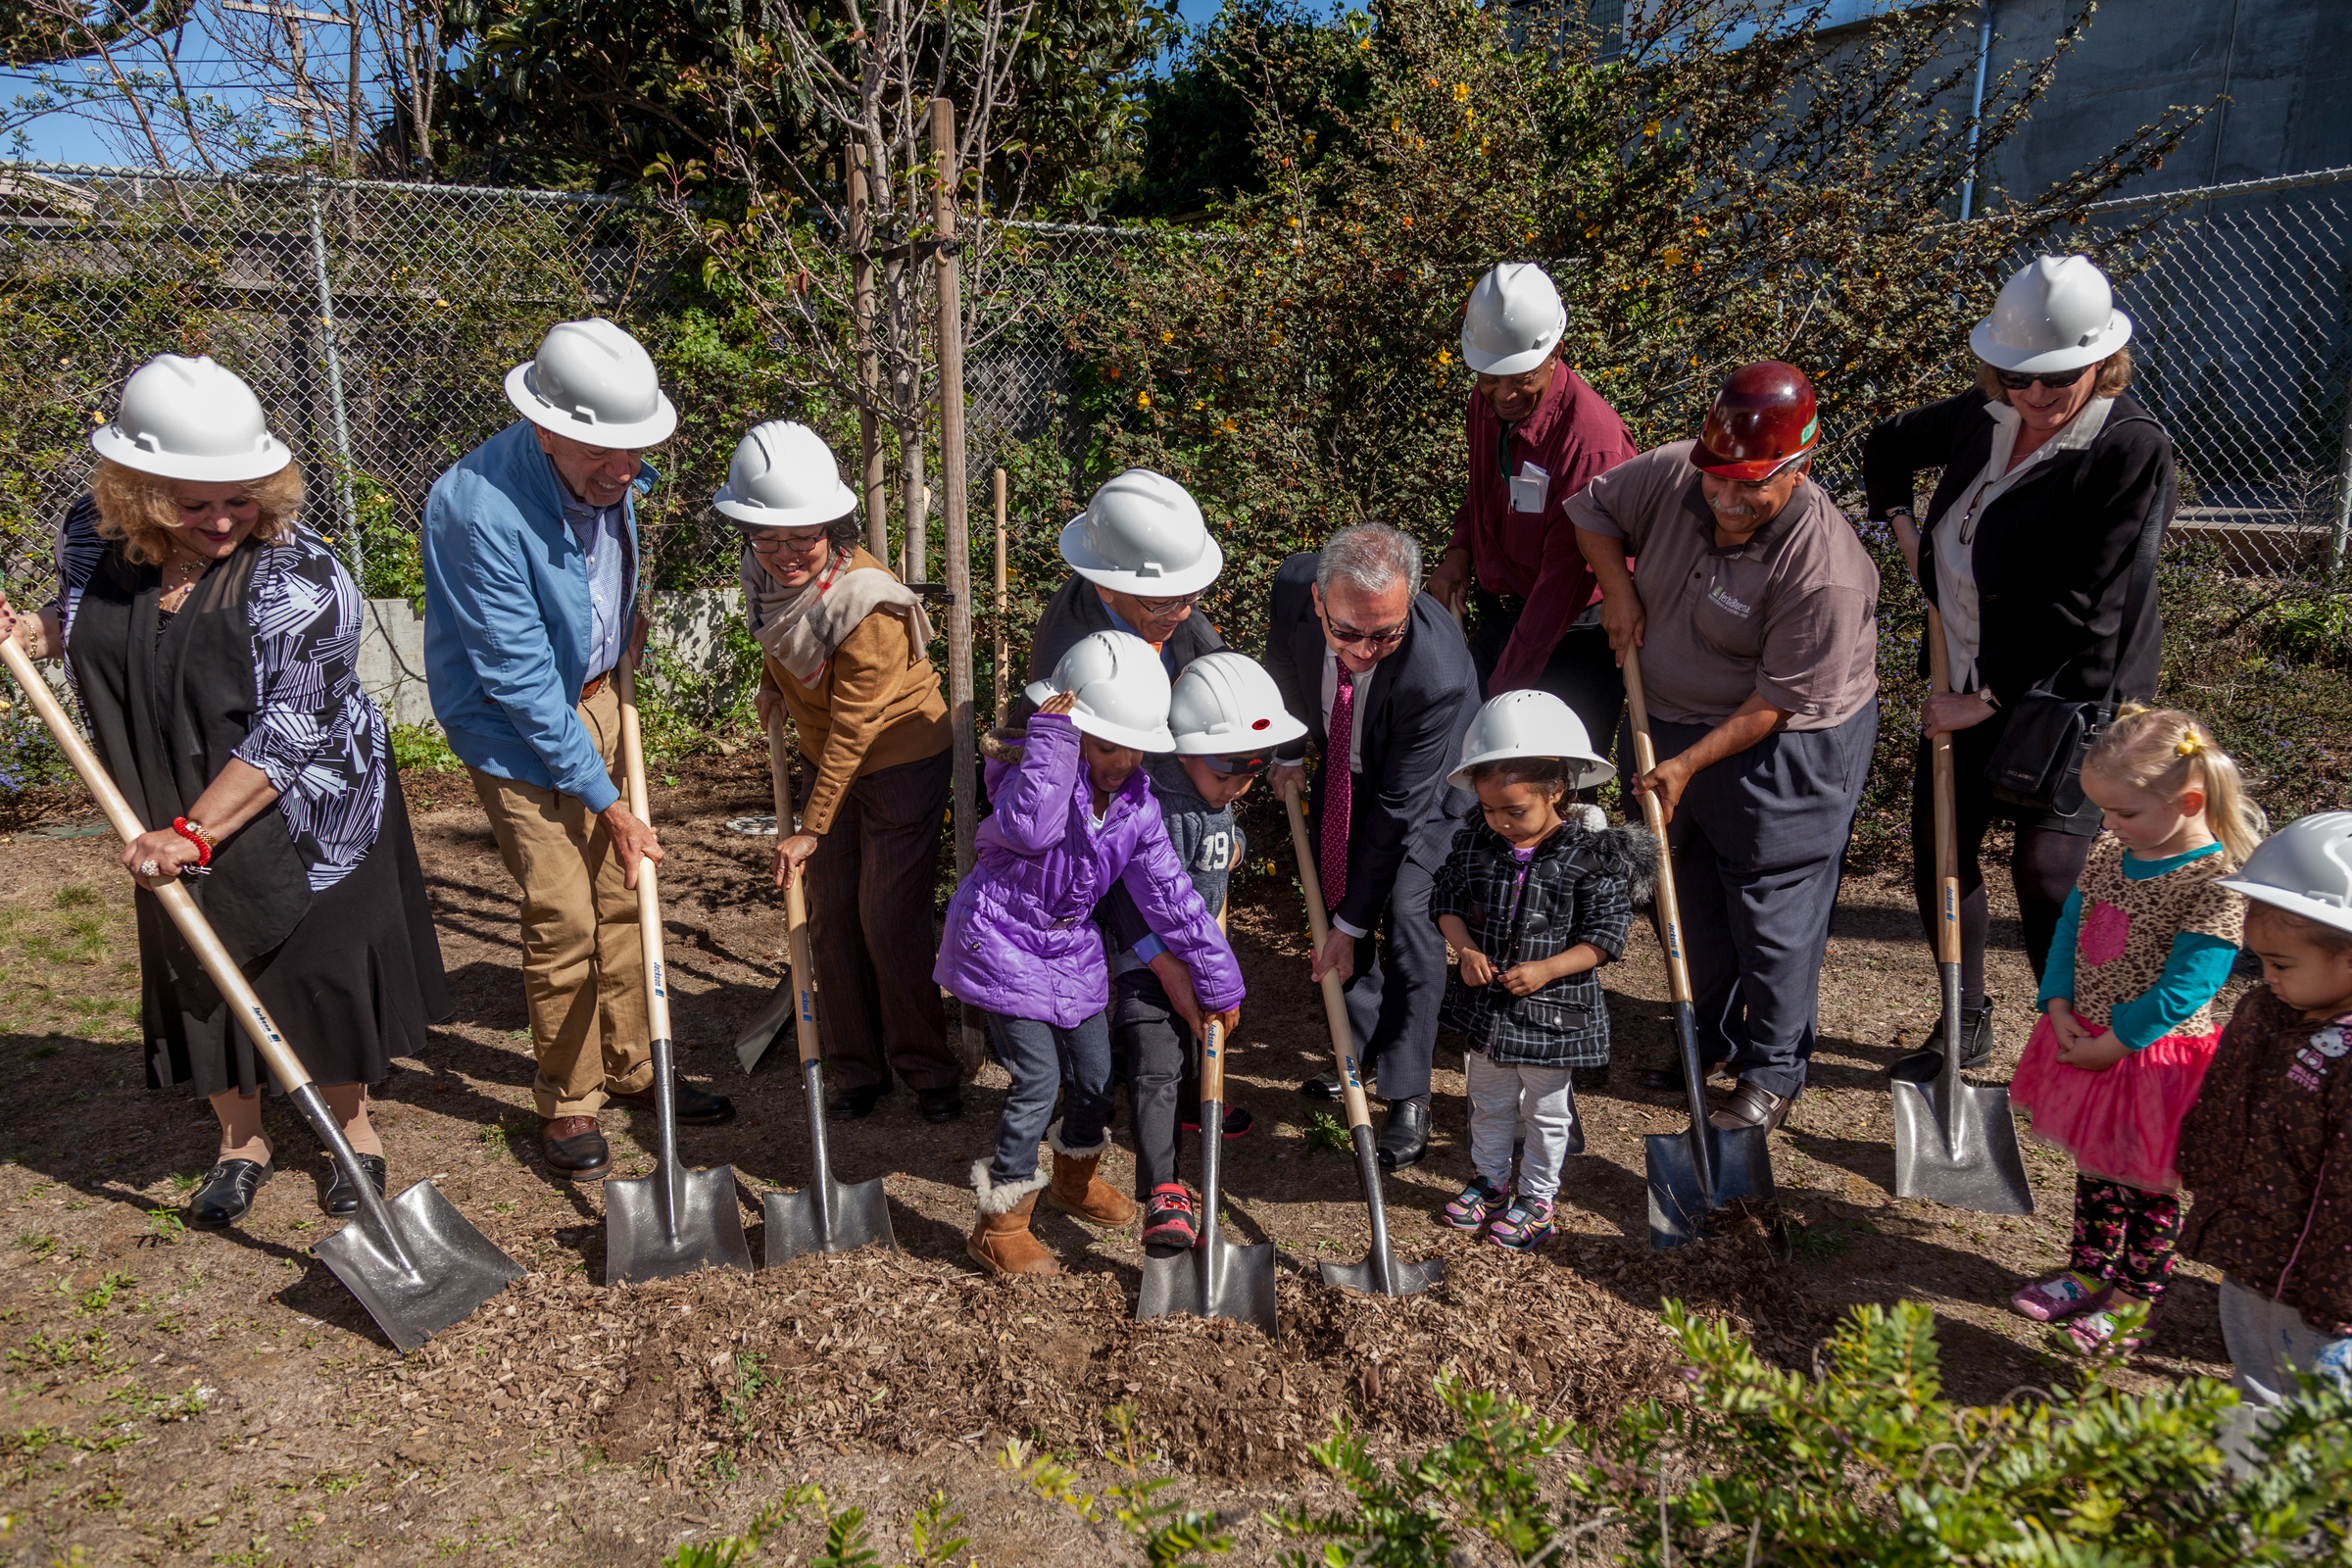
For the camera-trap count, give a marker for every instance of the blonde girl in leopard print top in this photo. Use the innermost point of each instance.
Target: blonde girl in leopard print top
(2145, 945)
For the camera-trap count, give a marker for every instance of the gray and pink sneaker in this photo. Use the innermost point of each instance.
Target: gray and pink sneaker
(1475, 1205)
(2048, 1301)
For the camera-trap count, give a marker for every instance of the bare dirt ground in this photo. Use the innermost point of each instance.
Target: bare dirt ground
(177, 1397)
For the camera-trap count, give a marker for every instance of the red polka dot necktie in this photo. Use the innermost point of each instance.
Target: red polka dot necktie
(1338, 791)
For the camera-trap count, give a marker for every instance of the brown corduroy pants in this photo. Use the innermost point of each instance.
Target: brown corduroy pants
(583, 971)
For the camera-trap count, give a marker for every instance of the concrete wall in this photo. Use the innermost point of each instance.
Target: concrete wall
(392, 648)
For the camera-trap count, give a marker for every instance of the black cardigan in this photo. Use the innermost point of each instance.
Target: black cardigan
(2053, 555)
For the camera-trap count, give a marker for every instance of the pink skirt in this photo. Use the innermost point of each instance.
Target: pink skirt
(2123, 1124)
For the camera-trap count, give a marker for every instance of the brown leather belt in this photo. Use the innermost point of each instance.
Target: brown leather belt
(595, 686)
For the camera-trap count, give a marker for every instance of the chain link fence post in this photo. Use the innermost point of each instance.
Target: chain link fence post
(346, 502)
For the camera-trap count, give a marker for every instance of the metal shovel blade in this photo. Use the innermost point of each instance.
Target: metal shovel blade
(1978, 1168)
(654, 1234)
(450, 1268)
(1214, 1278)
(767, 1023)
(675, 1220)
(1380, 1273)
(850, 1217)
(1679, 1199)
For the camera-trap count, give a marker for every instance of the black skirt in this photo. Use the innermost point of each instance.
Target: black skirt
(357, 983)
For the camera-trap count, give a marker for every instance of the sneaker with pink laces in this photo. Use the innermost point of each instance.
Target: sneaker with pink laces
(1525, 1226)
(1475, 1206)
(2048, 1301)
(1168, 1218)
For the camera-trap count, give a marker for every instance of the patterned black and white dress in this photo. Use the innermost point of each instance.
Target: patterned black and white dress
(320, 897)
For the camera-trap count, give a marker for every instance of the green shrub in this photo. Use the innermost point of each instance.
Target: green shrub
(423, 749)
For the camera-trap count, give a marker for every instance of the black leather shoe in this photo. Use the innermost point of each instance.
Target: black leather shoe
(855, 1105)
(1406, 1138)
(226, 1193)
(692, 1106)
(940, 1104)
(575, 1151)
(1322, 1086)
(1668, 1080)
(340, 1201)
(1925, 1065)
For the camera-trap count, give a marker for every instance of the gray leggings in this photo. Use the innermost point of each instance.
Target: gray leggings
(1048, 1063)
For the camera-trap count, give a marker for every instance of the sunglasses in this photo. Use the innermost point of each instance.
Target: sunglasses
(1348, 636)
(2056, 381)
(1254, 764)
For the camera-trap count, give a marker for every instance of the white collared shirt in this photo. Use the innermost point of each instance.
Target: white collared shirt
(1956, 529)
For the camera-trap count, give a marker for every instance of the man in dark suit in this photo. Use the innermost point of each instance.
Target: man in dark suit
(1378, 672)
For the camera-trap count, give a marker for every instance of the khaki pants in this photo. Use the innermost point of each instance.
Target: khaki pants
(583, 971)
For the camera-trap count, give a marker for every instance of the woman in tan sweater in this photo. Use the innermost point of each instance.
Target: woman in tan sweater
(846, 657)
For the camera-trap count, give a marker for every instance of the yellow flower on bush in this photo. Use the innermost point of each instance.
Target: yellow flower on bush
(1461, 92)
(1142, 400)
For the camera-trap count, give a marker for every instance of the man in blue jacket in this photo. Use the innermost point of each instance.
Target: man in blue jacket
(530, 571)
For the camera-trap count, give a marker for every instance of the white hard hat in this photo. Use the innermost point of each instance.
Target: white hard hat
(1514, 319)
(2304, 868)
(1121, 687)
(1530, 723)
(1225, 705)
(1142, 534)
(2056, 314)
(783, 475)
(189, 418)
(595, 383)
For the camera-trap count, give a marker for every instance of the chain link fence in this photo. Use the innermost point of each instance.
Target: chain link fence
(377, 320)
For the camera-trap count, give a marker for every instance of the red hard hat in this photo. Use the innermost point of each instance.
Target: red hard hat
(1762, 420)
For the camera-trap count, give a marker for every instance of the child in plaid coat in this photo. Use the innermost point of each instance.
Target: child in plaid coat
(1532, 905)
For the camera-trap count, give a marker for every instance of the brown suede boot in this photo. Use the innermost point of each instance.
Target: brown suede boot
(1001, 1243)
(1077, 1190)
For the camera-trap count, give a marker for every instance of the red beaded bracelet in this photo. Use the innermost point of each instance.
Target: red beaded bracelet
(194, 834)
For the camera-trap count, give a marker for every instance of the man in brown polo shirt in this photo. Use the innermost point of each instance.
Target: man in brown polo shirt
(1754, 605)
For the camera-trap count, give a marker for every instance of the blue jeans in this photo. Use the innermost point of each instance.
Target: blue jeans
(1047, 1063)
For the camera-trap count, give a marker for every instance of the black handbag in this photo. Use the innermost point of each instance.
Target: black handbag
(2036, 765)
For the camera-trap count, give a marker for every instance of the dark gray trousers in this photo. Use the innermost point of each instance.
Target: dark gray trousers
(1582, 672)
(871, 887)
(1759, 848)
(1394, 995)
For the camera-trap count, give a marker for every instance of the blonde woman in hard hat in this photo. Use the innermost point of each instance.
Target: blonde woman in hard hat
(214, 641)
(530, 603)
(1535, 434)
(847, 659)
(2055, 483)
(1074, 815)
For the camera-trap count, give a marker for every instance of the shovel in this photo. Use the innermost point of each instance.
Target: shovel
(1216, 1279)
(675, 1220)
(823, 1216)
(415, 1262)
(1954, 1143)
(768, 1022)
(1704, 1168)
(1380, 1272)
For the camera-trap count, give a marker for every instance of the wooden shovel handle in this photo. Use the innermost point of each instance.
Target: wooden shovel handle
(1645, 758)
(803, 991)
(260, 1027)
(1212, 1051)
(1335, 1001)
(1947, 828)
(649, 886)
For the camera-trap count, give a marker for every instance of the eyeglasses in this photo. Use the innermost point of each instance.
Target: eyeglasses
(2056, 381)
(797, 544)
(1348, 637)
(1254, 764)
(1163, 608)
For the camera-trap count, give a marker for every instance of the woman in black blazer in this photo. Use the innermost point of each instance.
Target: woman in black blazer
(2052, 476)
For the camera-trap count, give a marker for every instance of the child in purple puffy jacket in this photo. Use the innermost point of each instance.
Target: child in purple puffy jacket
(1073, 813)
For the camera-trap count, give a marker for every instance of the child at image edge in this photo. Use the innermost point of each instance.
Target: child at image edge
(2266, 1153)
(1073, 813)
(2143, 946)
(1532, 904)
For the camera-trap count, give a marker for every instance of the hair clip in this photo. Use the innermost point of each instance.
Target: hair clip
(2190, 745)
